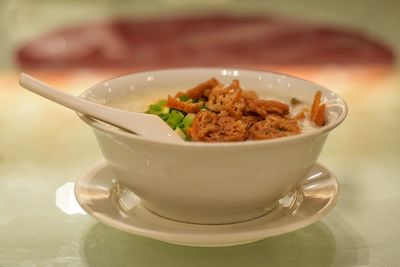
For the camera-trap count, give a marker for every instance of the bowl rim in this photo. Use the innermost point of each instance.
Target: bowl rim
(287, 139)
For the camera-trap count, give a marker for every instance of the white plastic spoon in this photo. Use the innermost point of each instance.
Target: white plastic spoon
(148, 125)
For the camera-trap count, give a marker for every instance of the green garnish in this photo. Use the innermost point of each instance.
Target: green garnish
(184, 98)
(162, 102)
(158, 108)
(164, 116)
(187, 122)
(295, 101)
(177, 120)
(175, 117)
(181, 133)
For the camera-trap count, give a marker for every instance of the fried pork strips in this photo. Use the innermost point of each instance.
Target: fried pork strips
(211, 127)
(318, 110)
(201, 90)
(273, 126)
(172, 102)
(237, 115)
(234, 114)
(265, 107)
(227, 99)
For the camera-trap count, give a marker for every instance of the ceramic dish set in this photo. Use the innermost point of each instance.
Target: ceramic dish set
(209, 194)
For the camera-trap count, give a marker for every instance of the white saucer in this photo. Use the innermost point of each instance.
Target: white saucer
(99, 195)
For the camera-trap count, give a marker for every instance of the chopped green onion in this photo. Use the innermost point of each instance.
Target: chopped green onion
(175, 117)
(158, 108)
(181, 133)
(165, 110)
(164, 116)
(187, 122)
(162, 102)
(155, 107)
(295, 101)
(184, 98)
(178, 120)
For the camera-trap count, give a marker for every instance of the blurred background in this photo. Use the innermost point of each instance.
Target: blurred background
(144, 34)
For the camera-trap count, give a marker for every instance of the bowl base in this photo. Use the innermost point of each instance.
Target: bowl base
(124, 197)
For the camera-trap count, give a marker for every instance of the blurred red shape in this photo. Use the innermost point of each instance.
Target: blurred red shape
(202, 41)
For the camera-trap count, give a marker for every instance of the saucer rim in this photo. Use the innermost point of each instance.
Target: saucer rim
(198, 239)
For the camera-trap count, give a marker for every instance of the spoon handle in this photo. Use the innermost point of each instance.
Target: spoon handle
(147, 125)
(67, 100)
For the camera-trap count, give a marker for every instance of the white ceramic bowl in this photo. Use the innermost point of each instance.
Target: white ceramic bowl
(211, 183)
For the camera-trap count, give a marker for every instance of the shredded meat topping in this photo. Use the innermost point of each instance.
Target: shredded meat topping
(202, 90)
(229, 99)
(265, 107)
(209, 126)
(250, 120)
(249, 96)
(273, 126)
(234, 114)
(318, 110)
(183, 106)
